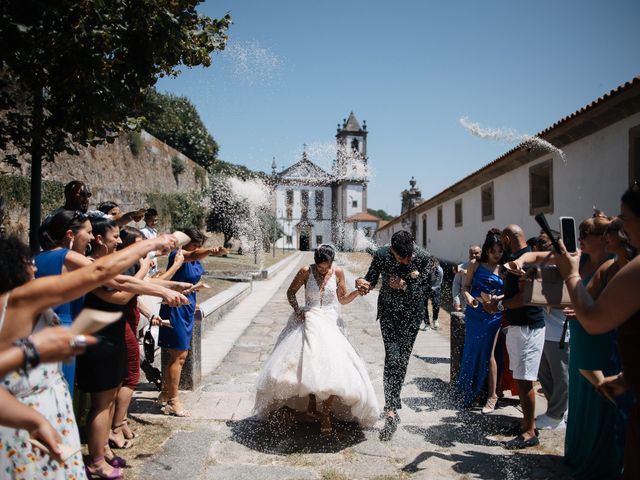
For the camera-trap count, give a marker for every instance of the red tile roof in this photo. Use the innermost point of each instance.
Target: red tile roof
(363, 217)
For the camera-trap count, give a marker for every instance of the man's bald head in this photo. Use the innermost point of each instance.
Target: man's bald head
(513, 238)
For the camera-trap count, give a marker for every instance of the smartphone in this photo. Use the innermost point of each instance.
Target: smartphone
(568, 233)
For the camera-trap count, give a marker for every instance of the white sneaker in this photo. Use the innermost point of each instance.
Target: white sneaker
(544, 422)
(436, 324)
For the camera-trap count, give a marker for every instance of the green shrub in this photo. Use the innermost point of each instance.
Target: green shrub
(135, 143)
(17, 190)
(177, 165)
(200, 175)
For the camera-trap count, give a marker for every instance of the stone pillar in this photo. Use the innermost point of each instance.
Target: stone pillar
(191, 376)
(456, 343)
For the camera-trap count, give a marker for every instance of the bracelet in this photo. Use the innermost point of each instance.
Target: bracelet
(31, 355)
(573, 275)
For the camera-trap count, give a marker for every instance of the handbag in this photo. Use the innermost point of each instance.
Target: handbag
(153, 374)
(543, 286)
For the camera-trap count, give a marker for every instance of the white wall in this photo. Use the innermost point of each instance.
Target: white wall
(320, 227)
(595, 173)
(354, 192)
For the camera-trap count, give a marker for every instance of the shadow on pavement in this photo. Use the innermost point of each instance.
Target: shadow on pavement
(433, 360)
(282, 434)
(496, 467)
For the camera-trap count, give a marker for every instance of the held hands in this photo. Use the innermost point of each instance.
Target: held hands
(300, 314)
(363, 286)
(56, 344)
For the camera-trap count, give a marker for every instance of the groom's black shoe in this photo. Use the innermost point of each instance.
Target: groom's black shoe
(390, 427)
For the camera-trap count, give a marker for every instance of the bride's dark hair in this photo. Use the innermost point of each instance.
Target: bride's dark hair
(324, 253)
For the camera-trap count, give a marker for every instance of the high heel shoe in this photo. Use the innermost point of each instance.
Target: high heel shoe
(95, 471)
(490, 406)
(175, 408)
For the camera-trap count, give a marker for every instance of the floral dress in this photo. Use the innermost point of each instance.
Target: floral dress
(44, 389)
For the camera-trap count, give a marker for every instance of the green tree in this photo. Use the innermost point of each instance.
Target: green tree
(175, 121)
(71, 73)
(270, 227)
(226, 211)
(380, 214)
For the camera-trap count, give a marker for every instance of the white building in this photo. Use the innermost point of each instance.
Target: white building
(601, 142)
(314, 206)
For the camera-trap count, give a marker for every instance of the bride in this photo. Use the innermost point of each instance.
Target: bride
(313, 360)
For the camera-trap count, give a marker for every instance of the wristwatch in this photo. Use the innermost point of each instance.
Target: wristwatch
(501, 307)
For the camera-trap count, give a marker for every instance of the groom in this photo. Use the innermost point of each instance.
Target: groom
(406, 270)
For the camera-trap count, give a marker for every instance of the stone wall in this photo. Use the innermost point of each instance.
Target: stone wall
(114, 172)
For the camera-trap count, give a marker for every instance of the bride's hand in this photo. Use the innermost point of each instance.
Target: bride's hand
(300, 313)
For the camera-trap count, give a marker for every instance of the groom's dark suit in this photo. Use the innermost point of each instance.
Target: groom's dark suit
(400, 313)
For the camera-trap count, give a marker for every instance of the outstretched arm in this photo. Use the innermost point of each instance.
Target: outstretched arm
(344, 297)
(34, 297)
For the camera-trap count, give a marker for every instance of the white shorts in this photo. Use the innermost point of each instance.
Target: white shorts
(525, 346)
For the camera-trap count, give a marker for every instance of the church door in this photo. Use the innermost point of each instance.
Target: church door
(304, 241)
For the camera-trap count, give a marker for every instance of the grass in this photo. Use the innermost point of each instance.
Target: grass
(332, 475)
(247, 262)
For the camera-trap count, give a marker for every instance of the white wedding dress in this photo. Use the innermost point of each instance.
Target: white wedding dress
(313, 356)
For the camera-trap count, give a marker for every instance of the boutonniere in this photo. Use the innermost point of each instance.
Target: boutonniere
(415, 274)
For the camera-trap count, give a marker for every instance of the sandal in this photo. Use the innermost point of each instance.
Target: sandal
(95, 471)
(490, 406)
(127, 432)
(175, 408)
(113, 459)
(114, 438)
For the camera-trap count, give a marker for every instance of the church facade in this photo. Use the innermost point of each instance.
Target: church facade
(314, 206)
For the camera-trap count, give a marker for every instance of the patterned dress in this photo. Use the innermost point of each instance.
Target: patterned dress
(44, 389)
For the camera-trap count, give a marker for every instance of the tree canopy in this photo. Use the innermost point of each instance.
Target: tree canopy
(175, 120)
(72, 73)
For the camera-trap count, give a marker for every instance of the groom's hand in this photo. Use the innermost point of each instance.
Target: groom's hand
(397, 283)
(363, 286)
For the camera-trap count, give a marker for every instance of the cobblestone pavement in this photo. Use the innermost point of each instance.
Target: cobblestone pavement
(222, 441)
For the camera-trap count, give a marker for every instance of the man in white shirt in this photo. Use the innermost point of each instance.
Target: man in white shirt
(149, 231)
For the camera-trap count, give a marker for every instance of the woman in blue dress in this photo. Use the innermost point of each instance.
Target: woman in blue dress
(177, 338)
(67, 231)
(481, 328)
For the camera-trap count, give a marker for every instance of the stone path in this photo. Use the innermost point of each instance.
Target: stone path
(222, 440)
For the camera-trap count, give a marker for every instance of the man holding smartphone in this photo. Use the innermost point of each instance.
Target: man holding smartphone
(525, 340)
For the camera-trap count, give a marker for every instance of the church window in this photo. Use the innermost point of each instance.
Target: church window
(304, 195)
(289, 212)
(289, 239)
(486, 194)
(319, 204)
(440, 217)
(318, 239)
(289, 197)
(457, 212)
(541, 188)
(355, 145)
(367, 231)
(424, 231)
(354, 203)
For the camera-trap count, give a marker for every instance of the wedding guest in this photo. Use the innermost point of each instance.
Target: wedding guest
(524, 340)
(101, 370)
(617, 306)
(478, 359)
(434, 293)
(113, 211)
(57, 238)
(554, 365)
(150, 231)
(25, 304)
(459, 302)
(177, 339)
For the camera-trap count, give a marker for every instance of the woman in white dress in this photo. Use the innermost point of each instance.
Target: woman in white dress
(313, 361)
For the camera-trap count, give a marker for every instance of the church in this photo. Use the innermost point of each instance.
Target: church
(314, 206)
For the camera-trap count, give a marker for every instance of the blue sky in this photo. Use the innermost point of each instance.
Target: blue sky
(411, 69)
